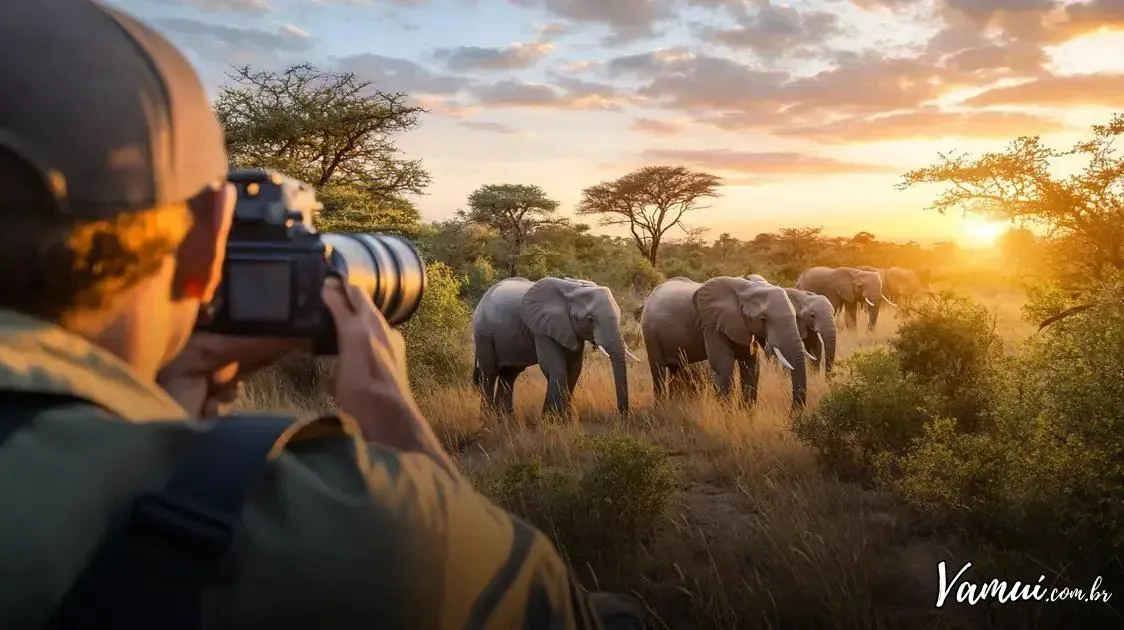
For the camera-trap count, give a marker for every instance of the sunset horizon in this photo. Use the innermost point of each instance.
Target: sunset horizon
(809, 111)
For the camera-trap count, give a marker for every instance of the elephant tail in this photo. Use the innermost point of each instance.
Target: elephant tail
(476, 377)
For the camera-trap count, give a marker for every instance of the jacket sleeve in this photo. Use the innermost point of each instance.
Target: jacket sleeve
(499, 571)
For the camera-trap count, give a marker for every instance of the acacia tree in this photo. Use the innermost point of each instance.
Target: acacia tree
(514, 211)
(650, 201)
(798, 246)
(333, 131)
(1084, 209)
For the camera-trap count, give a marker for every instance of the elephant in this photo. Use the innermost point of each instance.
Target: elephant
(844, 287)
(721, 321)
(519, 323)
(815, 318)
(900, 283)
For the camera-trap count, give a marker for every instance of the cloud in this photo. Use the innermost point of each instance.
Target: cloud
(492, 127)
(245, 6)
(552, 31)
(232, 44)
(928, 123)
(655, 127)
(566, 93)
(393, 74)
(513, 57)
(1085, 17)
(627, 20)
(1058, 91)
(770, 163)
(295, 31)
(772, 31)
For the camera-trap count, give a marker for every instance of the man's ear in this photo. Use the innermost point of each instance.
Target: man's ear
(200, 257)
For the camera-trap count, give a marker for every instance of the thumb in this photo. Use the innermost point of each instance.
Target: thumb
(334, 296)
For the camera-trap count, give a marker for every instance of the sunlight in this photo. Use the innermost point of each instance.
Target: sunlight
(981, 233)
(1092, 53)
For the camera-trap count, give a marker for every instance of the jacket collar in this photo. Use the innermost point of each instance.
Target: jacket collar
(37, 356)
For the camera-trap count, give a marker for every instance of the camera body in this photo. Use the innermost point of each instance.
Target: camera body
(276, 264)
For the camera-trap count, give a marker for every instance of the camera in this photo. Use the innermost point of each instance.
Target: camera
(276, 263)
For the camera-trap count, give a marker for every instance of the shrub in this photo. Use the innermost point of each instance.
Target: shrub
(601, 517)
(435, 336)
(949, 345)
(873, 409)
(481, 275)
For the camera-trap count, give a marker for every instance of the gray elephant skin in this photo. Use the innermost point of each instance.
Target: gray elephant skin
(721, 321)
(900, 283)
(815, 318)
(519, 323)
(845, 288)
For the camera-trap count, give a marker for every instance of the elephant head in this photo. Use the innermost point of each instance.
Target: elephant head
(745, 311)
(815, 318)
(861, 286)
(572, 312)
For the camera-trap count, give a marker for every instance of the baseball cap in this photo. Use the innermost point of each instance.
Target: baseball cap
(106, 111)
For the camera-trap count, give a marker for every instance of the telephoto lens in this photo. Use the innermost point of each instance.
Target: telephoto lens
(386, 266)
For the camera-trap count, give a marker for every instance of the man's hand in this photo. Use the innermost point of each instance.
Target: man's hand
(207, 376)
(371, 379)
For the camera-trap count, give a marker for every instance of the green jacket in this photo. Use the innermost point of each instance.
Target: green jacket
(341, 534)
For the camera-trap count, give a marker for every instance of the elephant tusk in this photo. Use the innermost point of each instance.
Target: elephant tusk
(867, 300)
(780, 357)
(603, 351)
(888, 301)
(823, 347)
(631, 356)
(810, 355)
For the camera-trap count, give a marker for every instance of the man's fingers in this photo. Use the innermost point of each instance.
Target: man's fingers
(334, 295)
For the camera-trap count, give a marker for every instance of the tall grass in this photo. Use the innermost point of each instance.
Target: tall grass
(755, 535)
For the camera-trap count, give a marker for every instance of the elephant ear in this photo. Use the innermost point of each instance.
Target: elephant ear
(719, 304)
(843, 283)
(546, 311)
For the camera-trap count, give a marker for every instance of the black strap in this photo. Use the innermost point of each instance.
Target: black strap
(152, 571)
(19, 409)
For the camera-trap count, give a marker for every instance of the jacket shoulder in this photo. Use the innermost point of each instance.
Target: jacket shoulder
(390, 536)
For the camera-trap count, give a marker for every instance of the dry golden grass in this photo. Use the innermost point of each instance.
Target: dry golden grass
(758, 536)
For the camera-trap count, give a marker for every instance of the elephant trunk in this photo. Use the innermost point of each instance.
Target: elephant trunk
(828, 337)
(613, 344)
(788, 344)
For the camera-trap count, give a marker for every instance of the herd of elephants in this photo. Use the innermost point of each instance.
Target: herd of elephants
(519, 323)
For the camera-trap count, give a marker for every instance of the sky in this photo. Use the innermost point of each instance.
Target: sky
(810, 110)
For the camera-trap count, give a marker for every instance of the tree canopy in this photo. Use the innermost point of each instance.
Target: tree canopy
(514, 211)
(333, 131)
(1083, 211)
(650, 201)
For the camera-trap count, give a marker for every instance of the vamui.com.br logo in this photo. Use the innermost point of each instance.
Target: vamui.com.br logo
(964, 590)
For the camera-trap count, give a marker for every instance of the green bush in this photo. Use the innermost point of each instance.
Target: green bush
(601, 517)
(949, 345)
(873, 409)
(435, 336)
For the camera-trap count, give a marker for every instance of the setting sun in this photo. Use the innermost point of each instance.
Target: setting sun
(981, 232)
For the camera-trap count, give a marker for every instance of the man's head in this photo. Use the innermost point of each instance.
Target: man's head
(112, 179)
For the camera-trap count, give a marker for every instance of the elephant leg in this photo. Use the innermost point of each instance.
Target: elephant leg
(721, 358)
(659, 379)
(574, 370)
(657, 368)
(505, 390)
(552, 361)
(486, 371)
(750, 377)
(852, 319)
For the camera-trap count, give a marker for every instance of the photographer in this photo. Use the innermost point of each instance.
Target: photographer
(119, 511)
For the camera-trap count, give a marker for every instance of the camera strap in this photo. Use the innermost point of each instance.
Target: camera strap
(152, 569)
